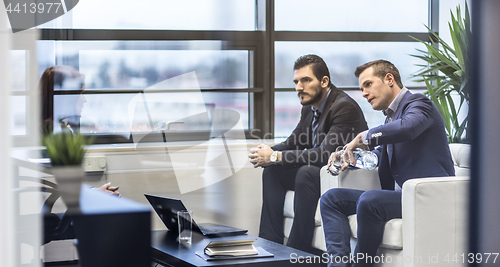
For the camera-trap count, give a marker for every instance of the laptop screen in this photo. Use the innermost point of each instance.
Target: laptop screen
(167, 208)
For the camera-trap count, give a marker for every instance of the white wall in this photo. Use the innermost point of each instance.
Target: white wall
(6, 225)
(20, 226)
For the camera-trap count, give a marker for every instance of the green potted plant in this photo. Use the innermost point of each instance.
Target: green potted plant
(445, 73)
(66, 152)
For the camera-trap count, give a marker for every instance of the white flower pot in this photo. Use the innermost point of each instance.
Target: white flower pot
(69, 181)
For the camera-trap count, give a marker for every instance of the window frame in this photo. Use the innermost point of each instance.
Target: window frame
(261, 46)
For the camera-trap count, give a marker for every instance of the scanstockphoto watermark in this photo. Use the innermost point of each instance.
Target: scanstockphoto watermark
(435, 259)
(346, 259)
(25, 14)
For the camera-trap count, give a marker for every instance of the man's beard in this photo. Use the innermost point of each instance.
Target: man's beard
(313, 99)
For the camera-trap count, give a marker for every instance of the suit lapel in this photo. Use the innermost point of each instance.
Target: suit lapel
(399, 112)
(308, 125)
(397, 115)
(309, 117)
(329, 102)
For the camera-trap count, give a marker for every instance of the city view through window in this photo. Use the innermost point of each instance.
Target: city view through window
(118, 70)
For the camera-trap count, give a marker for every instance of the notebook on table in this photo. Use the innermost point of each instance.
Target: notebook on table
(235, 248)
(261, 253)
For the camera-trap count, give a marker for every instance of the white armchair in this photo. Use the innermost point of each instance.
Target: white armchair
(434, 219)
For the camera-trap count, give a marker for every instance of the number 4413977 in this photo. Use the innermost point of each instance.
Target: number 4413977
(33, 8)
(472, 258)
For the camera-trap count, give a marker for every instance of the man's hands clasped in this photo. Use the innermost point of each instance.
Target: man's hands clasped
(259, 156)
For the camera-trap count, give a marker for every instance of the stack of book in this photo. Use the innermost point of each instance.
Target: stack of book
(232, 249)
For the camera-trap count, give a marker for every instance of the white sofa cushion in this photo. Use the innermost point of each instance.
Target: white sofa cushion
(288, 209)
(318, 235)
(435, 214)
(393, 232)
(351, 178)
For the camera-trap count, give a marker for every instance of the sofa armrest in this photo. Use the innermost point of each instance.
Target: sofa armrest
(350, 178)
(435, 214)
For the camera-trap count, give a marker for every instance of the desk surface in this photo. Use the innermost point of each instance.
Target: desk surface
(167, 250)
(100, 202)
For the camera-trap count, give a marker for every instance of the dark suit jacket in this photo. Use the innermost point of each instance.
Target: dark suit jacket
(340, 121)
(413, 144)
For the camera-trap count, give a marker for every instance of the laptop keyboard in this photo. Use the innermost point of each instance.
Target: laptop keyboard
(214, 230)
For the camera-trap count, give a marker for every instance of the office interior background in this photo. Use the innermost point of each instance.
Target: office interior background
(242, 54)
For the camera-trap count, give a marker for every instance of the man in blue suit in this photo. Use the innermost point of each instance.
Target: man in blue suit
(412, 143)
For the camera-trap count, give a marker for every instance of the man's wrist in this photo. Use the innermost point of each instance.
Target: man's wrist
(364, 137)
(275, 158)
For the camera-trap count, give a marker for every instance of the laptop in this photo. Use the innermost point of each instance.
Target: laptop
(167, 208)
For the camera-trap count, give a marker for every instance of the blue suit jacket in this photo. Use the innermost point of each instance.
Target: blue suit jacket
(413, 144)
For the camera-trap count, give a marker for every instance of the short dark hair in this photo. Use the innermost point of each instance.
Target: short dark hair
(319, 67)
(380, 69)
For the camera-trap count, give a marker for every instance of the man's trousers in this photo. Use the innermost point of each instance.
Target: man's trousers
(373, 208)
(276, 181)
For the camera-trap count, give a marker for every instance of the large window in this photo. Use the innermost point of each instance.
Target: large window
(342, 59)
(161, 65)
(159, 15)
(17, 62)
(117, 71)
(345, 34)
(122, 65)
(351, 16)
(180, 79)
